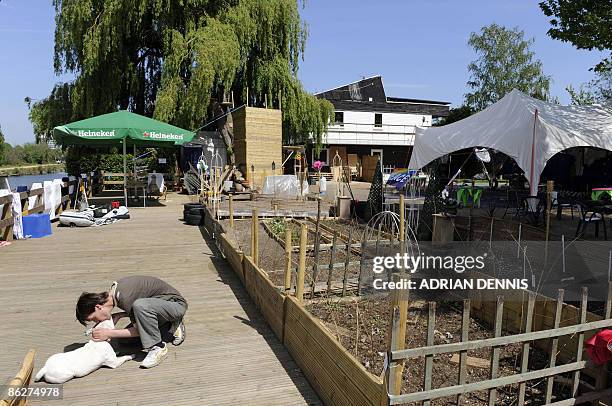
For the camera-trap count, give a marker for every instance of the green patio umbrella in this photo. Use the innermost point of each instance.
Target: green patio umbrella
(121, 127)
(113, 128)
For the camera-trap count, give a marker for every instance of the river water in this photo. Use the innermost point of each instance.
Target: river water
(27, 180)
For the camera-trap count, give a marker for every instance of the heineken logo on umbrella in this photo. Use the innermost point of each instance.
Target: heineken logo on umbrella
(163, 136)
(89, 133)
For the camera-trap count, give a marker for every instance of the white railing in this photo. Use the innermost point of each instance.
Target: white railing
(370, 134)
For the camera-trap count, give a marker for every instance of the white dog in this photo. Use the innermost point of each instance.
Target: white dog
(64, 366)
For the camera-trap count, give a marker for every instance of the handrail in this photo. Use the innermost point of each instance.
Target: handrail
(499, 341)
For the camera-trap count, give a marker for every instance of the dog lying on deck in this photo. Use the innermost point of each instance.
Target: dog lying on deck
(64, 366)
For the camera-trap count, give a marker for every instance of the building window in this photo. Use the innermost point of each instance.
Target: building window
(323, 156)
(339, 118)
(377, 120)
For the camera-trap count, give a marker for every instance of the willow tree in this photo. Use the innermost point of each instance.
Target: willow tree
(172, 59)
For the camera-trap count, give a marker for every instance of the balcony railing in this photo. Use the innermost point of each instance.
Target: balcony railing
(370, 134)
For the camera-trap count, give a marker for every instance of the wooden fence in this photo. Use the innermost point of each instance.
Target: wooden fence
(334, 373)
(398, 355)
(7, 221)
(339, 378)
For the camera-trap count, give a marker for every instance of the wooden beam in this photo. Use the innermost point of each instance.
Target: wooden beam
(299, 290)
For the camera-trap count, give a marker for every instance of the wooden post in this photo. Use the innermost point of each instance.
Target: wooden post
(231, 211)
(347, 261)
(499, 312)
(396, 337)
(465, 332)
(299, 289)
(315, 268)
(332, 260)
(554, 346)
(288, 251)
(402, 230)
(431, 325)
(7, 215)
(583, 311)
(525, 354)
(549, 188)
(255, 238)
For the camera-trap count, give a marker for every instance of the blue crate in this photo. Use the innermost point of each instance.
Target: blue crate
(37, 225)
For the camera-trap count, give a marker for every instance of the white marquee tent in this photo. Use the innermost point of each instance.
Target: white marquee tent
(528, 130)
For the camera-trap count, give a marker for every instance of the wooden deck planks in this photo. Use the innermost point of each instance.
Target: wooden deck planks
(230, 356)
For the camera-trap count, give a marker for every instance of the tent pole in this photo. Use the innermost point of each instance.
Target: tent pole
(124, 173)
(533, 189)
(134, 161)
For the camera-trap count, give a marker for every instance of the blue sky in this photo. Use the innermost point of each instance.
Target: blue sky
(419, 47)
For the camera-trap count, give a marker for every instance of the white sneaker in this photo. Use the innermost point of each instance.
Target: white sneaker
(179, 334)
(154, 356)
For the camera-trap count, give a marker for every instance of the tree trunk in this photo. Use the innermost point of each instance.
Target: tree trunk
(225, 127)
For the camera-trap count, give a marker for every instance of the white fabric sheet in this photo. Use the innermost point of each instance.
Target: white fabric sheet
(158, 180)
(283, 186)
(53, 196)
(508, 126)
(32, 199)
(16, 212)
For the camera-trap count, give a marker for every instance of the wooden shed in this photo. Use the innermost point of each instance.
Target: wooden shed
(258, 139)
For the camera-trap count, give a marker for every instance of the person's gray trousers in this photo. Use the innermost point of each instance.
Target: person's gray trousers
(152, 313)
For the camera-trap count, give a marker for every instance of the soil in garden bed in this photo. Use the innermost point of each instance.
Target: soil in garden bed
(361, 327)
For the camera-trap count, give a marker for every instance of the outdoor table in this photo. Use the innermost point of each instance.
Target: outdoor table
(597, 192)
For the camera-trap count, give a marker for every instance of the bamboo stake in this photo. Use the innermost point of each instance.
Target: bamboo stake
(347, 261)
(315, 268)
(361, 262)
(299, 289)
(255, 238)
(332, 260)
(231, 211)
(288, 251)
(549, 189)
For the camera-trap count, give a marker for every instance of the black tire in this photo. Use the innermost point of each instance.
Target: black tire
(200, 211)
(194, 220)
(187, 206)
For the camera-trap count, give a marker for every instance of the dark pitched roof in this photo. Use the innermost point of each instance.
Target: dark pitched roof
(363, 90)
(419, 101)
(369, 95)
(434, 110)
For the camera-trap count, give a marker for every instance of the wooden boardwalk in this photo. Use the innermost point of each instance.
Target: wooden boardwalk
(230, 356)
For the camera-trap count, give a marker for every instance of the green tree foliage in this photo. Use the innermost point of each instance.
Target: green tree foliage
(169, 59)
(50, 112)
(456, 114)
(599, 90)
(586, 24)
(3, 147)
(504, 62)
(580, 96)
(29, 154)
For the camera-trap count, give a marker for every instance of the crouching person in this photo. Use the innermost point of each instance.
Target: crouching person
(155, 308)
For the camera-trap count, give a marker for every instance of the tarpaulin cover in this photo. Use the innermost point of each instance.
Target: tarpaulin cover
(284, 186)
(508, 126)
(400, 177)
